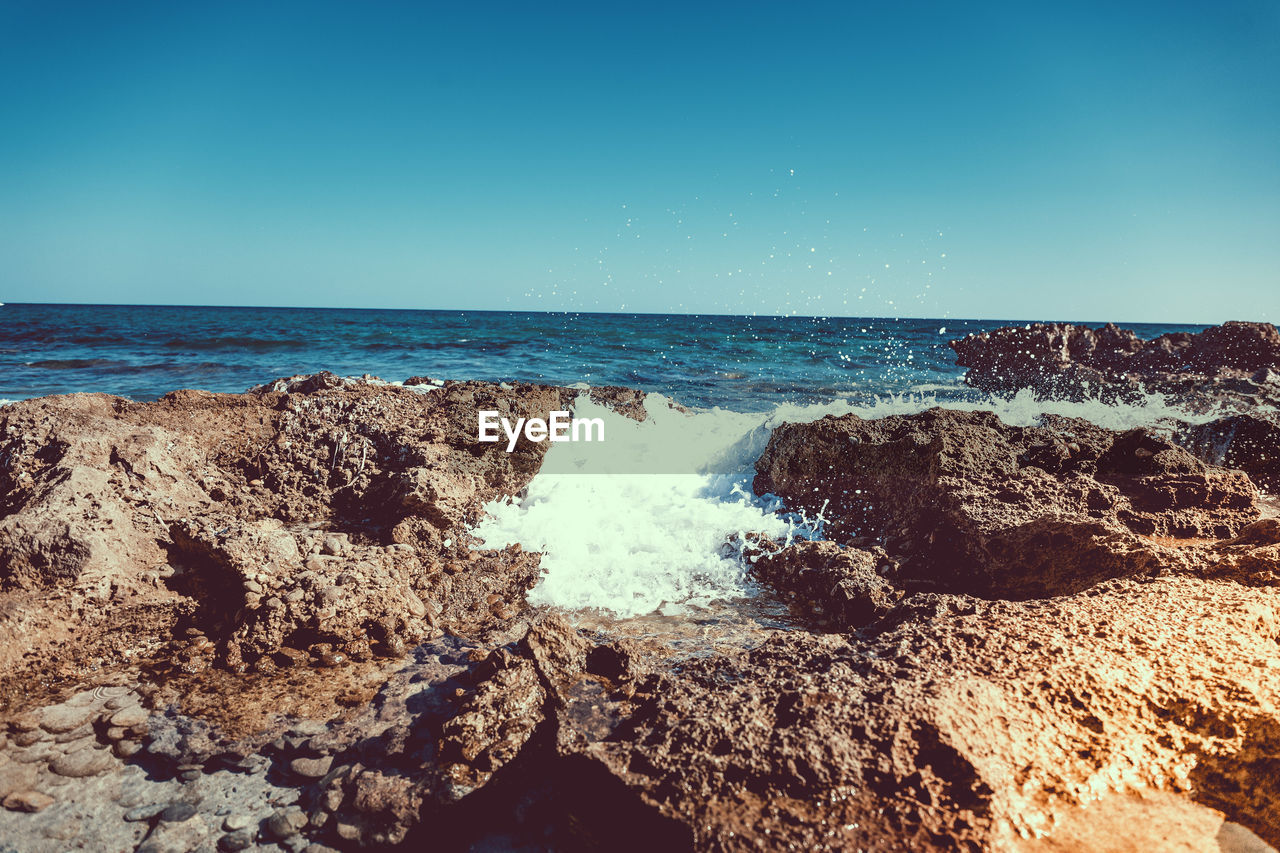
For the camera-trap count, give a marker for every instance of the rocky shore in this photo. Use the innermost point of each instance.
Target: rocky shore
(259, 622)
(1237, 360)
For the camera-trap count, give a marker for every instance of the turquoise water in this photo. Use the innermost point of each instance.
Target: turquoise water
(739, 363)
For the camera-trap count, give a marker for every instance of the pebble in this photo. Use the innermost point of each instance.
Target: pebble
(178, 812)
(126, 748)
(57, 719)
(176, 837)
(331, 799)
(146, 812)
(333, 659)
(236, 822)
(28, 801)
(287, 656)
(82, 763)
(285, 824)
(236, 841)
(128, 718)
(311, 768)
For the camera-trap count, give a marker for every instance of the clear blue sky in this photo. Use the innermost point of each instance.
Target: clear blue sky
(1077, 161)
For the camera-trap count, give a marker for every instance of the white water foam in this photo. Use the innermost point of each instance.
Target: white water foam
(642, 523)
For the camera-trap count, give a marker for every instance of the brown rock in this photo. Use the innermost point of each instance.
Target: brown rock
(104, 485)
(83, 762)
(1249, 442)
(15, 777)
(66, 717)
(1061, 359)
(840, 588)
(963, 502)
(311, 768)
(28, 801)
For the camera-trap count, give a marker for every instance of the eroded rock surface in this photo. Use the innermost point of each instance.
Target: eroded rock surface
(315, 516)
(965, 503)
(1249, 442)
(1237, 361)
(1014, 639)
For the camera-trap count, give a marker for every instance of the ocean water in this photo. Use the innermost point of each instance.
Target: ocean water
(649, 524)
(738, 363)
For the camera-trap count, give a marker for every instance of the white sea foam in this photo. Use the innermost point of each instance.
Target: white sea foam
(640, 523)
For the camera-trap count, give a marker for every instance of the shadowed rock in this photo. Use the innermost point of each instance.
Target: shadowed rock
(966, 503)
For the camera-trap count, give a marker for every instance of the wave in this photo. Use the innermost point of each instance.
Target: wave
(110, 367)
(641, 523)
(238, 343)
(74, 363)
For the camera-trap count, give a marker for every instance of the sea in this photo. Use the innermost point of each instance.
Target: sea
(733, 362)
(649, 526)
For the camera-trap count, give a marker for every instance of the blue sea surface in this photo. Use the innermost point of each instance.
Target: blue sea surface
(738, 363)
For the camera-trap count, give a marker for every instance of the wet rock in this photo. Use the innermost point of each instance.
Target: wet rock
(964, 502)
(1249, 442)
(1233, 360)
(840, 588)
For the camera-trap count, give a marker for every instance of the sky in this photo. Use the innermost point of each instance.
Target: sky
(1075, 161)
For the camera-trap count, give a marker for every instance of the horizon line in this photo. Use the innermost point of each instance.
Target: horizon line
(763, 316)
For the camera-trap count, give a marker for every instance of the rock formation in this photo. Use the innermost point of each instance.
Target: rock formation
(965, 503)
(1237, 361)
(258, 621)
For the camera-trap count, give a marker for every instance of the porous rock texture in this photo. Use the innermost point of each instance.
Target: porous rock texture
(1237, 362)
(1249, 441)
(963, 502)
(318, 515)
(1015, 638)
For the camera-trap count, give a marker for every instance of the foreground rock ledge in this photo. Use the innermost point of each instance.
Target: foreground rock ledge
(1017, 639)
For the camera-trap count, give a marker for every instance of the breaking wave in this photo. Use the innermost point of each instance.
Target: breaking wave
(651, 520)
